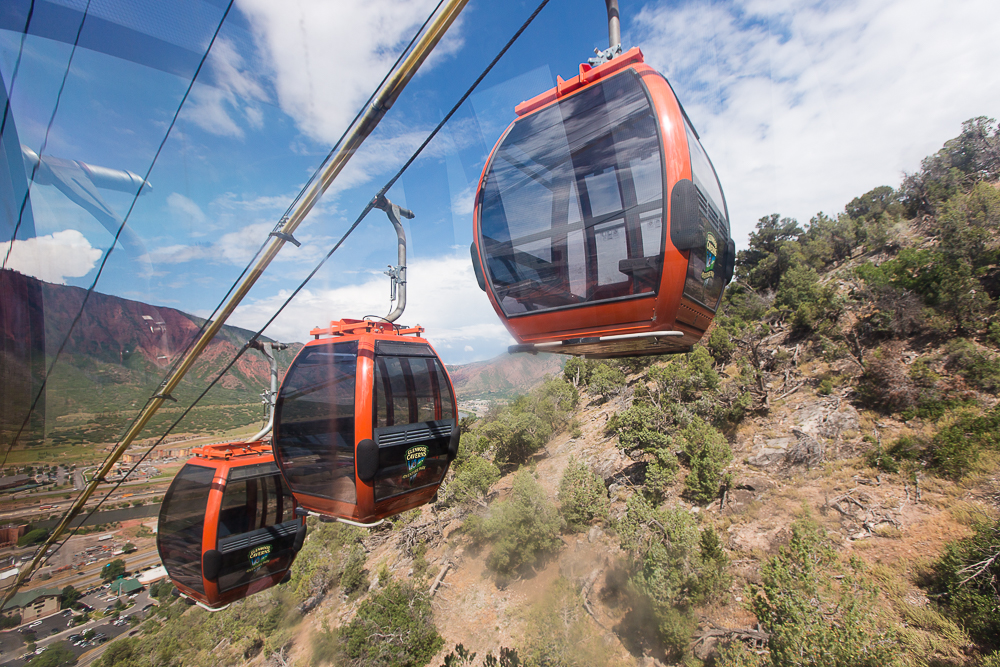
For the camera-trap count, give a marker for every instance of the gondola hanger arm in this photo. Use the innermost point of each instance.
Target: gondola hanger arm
(397, 274)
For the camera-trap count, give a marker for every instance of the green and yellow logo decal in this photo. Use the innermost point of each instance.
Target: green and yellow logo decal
(259, 556)
(416, 460)
(711, 251)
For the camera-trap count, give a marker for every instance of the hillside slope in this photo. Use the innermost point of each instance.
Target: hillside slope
(817, 483)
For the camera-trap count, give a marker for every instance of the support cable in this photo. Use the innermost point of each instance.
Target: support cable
(368, 208)
(367, 122)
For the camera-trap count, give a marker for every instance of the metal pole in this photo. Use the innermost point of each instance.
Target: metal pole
(614, 25)
(382, 102)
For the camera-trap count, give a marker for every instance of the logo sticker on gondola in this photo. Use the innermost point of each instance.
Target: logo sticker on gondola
(711, 251)
(416, 459)
(259, 556)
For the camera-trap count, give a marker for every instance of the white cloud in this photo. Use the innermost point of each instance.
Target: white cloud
(327, 57)
(54, 257)
(443, 297)
(232, 91)
(185, 209)
(804, 106)
(239, 246)
(463, 202)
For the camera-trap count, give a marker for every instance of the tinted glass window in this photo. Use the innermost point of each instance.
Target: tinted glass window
(704, 282)
(410, 390)
(256, 529)
(314, 422)
(414, 418)
(181, 525)
(573, 201)
(254, 503)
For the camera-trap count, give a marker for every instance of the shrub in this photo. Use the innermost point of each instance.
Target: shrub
(736, 654)
(558, 631)
(685, 378)
(952, 452)
(576, 371)
(318, 565)
(32, 537)
(674, 567)
(122, 653)
(521, 528)
(113, 570)
(708, 455)
(812, 618)
(354, 576)
(395, 626)
(606, 380)
(472, 481)
(661, 473)
(885, 385)
(553, 401)
(720, 342)
(992, 660)
(979, 367)
(966, 577)
(515, 436)
(582, 496)
(69, 597)
(801, 294)
(638, 427)
(56, 655)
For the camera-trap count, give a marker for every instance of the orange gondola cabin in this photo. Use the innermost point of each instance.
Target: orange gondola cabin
(227, 526)
(365, 424)
(600, 225)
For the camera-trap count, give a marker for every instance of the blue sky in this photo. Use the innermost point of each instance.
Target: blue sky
(801, 106)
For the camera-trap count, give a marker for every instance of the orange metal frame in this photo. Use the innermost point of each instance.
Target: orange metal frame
(222, 458)
(656, 312)
(367, 332)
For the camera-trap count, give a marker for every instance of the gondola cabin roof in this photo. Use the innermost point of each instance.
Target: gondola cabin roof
(232, 450)
(600, 227)
(588, 74)
(348, 327)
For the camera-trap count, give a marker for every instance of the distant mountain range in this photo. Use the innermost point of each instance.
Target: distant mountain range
(116, 355)
(504, 376)
(120, 350)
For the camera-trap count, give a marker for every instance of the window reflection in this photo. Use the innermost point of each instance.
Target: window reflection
(314, 423)
(573, 191)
